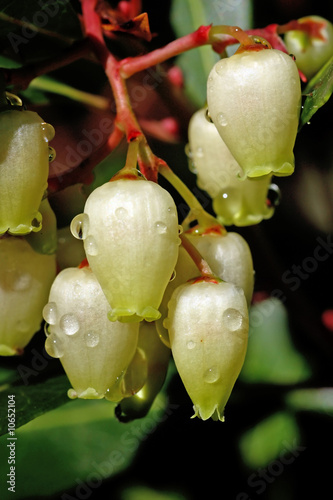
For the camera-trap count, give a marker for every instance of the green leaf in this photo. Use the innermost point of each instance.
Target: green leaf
(34, 400)
(272, 438)
(32, 29)
(318, 92)
(271, 356)
(319, 400)
(75, 446)
(186, 17)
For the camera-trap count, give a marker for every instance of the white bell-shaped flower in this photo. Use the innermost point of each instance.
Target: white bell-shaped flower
(94, 351)
(24, 169)
(25, 281)
(254, 100)
(130, 234)
(208, 329)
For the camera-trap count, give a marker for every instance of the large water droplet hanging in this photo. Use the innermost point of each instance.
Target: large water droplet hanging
(69, 324)
(211, 375)
(232, 319)
(50, 313)
(54, 346)
(52, 154)
(47, 131)
(273, 195)
(79, 226)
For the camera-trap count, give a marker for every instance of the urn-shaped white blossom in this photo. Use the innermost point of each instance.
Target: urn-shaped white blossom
(312, 48)
(229, 257)
(130, 234)
(254, 100)
(25, 280)
(24, 168)
(94, 351)
(236, 201)
(208, 329)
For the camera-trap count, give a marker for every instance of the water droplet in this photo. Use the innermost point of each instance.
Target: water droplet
(69, 324)
(211, 375)
(48, 131)
(120, 212)
(161, 227)
(293, 57)
(221, 120)
(52, 154)
(190, 344)
(273, 195)
(188, 151)
(47, 329)
(92, 339)
(232, 319)
(173, 275)
(54, 346)
(90, 246)
(180, 229)
(207, 116)
(22, 282)
(50, 313)
(79, 226)
(199, 152)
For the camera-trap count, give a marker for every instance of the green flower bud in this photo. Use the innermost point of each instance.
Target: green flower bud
(93, 351)
(311, 50)
(236, 201)
(254, 101)
(158, 356)
(24, 168)
(208, 328)
(25, 280)
(130, 234)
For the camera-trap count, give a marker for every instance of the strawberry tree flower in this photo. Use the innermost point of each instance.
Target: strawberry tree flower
(235, 201)
(312, 46)
(25, 280)
(24, 168)
(254, 100)
(93, 351)
(130, 233)
(208, 329)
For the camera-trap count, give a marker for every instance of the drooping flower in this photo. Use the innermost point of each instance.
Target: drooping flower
(254, 100)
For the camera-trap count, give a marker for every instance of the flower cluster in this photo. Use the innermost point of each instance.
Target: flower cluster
(150, 285)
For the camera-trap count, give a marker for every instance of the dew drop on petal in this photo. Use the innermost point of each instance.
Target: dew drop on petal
(190, 344)
(232, 319)
(22, 282)
(52, 154)
(92, 339)
(50, 313)
(211, 375)
(221, 120)
(199, 152)
(54, 346)
(79, 226)
(273, 195)
(69, 324)
(120, 212)
(90, 246)
(161, 227)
